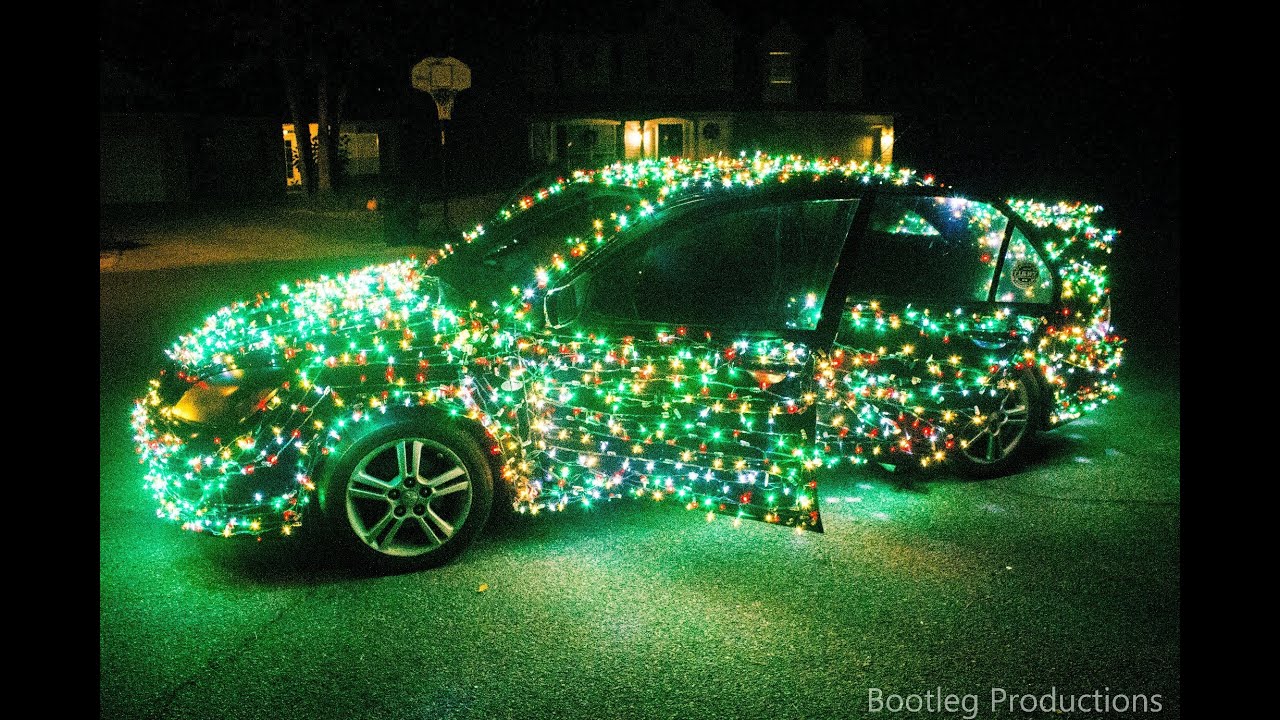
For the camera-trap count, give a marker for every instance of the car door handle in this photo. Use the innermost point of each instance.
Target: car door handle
(989, 340)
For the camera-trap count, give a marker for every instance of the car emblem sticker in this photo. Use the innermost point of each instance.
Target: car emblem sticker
(1025, 274)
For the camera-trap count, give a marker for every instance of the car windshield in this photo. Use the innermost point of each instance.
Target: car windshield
(511, 249)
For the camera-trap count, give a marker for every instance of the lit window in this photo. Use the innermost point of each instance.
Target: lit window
(781, 68)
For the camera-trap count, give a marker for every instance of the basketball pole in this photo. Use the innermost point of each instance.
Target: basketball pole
(444, 114)
(444, 174)
(443, 78)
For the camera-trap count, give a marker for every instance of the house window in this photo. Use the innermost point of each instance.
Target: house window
(781, 68)
(615, 59)
(360, 153)
(586, 145)
(655, 65)
(557, 67)
(562, 142)
(291, 175)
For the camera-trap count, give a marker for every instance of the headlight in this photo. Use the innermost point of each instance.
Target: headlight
(226, 397)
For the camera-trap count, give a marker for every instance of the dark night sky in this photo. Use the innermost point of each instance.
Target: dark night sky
(1047, 99)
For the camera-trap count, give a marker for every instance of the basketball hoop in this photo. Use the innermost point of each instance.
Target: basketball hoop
(444, 78)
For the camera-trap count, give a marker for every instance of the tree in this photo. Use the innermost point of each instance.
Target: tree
(292, 92)
(339, 39)
(317, 50)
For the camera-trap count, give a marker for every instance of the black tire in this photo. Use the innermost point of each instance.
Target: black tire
(998, 445)
(388, 511)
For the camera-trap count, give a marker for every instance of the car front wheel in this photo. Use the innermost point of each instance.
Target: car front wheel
(408, 495)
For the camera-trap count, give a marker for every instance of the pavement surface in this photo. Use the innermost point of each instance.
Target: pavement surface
(163, 238)
(1064, 578)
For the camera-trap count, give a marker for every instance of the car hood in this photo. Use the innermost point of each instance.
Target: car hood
(289, 324)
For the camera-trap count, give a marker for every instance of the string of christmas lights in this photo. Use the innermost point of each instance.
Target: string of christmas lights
(723, 425)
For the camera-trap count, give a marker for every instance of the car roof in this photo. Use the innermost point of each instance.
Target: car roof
(712, 194)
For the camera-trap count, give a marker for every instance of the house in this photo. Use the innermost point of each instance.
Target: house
(593, 85)
(157, 157)
(684, 80)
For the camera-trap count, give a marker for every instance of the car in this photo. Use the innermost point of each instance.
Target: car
(733, 327)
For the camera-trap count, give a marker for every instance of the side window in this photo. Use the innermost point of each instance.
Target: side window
(813, 237)
(763, 267)
(1024, 277)
(929, 248)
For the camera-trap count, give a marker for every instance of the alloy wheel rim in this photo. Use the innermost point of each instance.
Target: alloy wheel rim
(408, 497)
(995, 435)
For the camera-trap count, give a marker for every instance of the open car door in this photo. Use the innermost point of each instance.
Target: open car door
(680, 364)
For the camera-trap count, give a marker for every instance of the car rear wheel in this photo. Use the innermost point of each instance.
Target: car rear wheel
(408, 495)
(995, 434)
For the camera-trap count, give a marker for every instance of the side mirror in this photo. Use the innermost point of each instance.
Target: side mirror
(560, 306)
